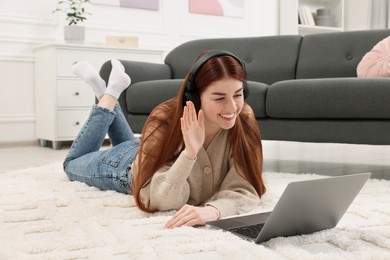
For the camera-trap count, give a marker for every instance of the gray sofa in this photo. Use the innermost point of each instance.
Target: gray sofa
(302, 88)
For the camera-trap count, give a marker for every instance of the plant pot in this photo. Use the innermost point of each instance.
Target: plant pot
(74, 34)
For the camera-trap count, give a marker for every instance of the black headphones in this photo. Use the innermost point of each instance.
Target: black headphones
(190, 93)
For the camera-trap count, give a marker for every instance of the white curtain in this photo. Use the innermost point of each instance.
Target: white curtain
(379, 18)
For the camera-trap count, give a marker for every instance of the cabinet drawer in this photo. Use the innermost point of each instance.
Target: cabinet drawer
(66, 59)
(69, 122)
(74, 93)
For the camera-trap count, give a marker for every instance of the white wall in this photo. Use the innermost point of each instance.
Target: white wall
(27, 24)
(357, 14)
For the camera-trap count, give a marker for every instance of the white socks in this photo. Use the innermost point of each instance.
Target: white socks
(86, 72)
(117, 82)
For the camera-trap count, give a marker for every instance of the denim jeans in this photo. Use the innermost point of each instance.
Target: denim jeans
(107, 169)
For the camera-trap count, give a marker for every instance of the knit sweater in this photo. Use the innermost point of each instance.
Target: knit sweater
(210, 179)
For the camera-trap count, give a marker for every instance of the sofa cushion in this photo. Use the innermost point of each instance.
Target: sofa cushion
(376, 63)
(256, 98)
(143, 97)
(342, 98)
(330, 55)
(268, 59)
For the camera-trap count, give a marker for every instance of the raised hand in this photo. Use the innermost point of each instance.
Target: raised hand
(193, 130)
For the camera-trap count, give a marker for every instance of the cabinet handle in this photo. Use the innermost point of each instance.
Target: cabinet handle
(77, 123)
(77, 93)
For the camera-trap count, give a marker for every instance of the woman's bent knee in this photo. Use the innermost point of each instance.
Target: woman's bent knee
(65, 167)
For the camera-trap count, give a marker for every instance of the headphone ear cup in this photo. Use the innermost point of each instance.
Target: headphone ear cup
(196, 101)
(187, 97)
(187, 93)
(191, 95)
(194, 98)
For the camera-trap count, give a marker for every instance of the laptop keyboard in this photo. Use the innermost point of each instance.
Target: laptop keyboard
(248, 231)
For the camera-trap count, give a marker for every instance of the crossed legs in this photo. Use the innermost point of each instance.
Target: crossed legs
(107, 169)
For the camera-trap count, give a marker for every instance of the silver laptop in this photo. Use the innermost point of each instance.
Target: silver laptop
(304, 207)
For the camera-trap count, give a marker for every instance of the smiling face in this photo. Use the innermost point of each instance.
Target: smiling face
(222, 102)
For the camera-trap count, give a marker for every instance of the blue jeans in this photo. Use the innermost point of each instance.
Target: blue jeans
(108, 169)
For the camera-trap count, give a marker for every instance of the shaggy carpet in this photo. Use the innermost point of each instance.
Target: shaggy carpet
(45, 216)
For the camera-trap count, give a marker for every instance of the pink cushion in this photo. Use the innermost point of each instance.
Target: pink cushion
(376, 63)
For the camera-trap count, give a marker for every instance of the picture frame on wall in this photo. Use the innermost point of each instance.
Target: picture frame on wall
(138, 4)
(229, 8)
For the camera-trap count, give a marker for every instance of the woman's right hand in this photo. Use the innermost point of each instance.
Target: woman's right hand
(193, 130)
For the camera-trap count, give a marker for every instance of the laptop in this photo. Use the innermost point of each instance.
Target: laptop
(304, 207)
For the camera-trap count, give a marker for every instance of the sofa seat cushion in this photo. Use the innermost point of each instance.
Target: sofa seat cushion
(143, 97)
(256, 98)
(337, 98)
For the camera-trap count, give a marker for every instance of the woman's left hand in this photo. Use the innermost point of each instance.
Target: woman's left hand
(190, 215)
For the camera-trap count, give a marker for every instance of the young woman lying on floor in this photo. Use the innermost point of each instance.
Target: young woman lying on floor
(200, 153)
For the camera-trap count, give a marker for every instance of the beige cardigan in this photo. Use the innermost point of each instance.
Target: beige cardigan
(210, 179)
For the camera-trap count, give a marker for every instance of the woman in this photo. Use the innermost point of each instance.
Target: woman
(200, 153)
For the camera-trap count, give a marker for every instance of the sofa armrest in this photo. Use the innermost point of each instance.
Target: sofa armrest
(139, 71)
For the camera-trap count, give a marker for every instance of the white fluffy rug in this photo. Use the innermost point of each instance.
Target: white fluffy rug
(45, 216)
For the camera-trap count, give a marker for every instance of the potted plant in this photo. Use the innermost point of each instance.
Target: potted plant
(75, 14)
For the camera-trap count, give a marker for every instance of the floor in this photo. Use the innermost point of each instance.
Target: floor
(279, 156)
(327, 158)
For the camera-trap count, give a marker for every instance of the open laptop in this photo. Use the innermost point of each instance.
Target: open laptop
(304, 207)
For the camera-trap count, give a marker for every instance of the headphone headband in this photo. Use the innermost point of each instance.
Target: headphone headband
(203, 59)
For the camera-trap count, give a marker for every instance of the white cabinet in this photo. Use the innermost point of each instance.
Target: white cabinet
(289, 16)
(63, 101)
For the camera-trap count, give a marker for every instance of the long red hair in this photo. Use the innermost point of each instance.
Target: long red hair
(162, 140)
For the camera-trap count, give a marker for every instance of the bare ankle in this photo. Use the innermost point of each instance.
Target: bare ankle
(108, 101)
